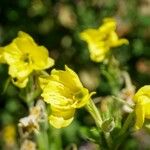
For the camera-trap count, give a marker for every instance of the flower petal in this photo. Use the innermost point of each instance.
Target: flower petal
(22, 82)
(59, 122)
(140, 116)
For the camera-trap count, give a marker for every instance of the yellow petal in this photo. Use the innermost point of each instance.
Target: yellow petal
(57, 99)
(20, 82)
(9, 134)
(144, 91)
(59, 122)
(43, 81)
(56, 93)
(140, 116)
(24, 35)
(60, 112)
(68, 78)
(20, 70)
(41, 59)
(81, 98)
(115, 41)
(91, 35)
(98, 51)
(109, 25)
(142, 105)
(11, 53)
(147, 110)
(50, 62)
(109, 20)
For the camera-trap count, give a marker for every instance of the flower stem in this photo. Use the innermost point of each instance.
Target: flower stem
(126, 124)
(123, 102)
(6, 85)
(92, 109)
(123, 133)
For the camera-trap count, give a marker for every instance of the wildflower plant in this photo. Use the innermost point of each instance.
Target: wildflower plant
(53, 99)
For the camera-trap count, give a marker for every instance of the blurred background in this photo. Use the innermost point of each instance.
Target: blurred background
(56, 25)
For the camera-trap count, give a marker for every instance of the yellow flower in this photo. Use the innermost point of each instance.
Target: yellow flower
(24, 56)
(64, 92)
(102, 39)
(142, 106)
(9, 134)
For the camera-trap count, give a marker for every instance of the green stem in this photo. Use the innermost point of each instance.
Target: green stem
(108, 139)
(123, 133)
(92, 109)
(128, 81)
(42, 138)
(126, 124)
(122, 101)
(6, 85)
(111, 80)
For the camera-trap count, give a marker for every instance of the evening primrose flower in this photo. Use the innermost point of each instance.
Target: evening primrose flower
(24, 56)
(65, 93)
(101, 40)
(142, 106)
(9, 135)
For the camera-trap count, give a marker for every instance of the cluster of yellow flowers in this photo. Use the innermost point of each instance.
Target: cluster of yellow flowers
(62, 89)
(101, 40)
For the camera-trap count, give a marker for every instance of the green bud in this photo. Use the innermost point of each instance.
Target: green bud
(108, 125)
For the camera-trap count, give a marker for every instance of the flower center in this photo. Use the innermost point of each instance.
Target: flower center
(26, 58)
(80, 95)
(15, 79)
